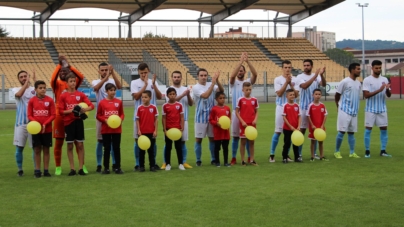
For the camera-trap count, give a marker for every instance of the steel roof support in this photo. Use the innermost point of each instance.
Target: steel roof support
(46, 14)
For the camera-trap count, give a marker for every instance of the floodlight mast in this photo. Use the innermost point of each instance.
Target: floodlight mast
(363, 37)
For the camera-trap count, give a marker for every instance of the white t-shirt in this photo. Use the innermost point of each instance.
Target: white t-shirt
(101, 94)
(306, 95)
(183, 101)
(237, 91)
(203, 106)
(377, 103)
(136, 86)
(22, 105)
(278, 83)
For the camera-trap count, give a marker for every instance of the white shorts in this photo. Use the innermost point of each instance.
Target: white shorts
(185, 132)
(135, 135)
(98, 129)
(21, 135)
(372, 119)
(304, 122)
(346, 122)
(279, 119)
(235, 125)
(203, 129)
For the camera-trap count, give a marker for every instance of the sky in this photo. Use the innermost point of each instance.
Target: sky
(383, 20)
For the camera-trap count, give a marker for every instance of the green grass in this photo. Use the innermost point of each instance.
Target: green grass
(346, 192)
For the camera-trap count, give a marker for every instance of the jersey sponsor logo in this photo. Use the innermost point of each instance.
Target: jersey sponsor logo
(70, 106)
(296, 109)
(46, 103)
(109, 113)
(116, 104)
(40, 113)
(151, 110)
(78, 98)
(243, 102)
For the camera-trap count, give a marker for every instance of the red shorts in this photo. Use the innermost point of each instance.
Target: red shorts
(58, 128)
(242, 133)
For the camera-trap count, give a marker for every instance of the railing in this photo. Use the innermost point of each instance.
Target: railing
(156, 67)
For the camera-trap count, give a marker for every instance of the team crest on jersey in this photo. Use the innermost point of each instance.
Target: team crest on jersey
(227, 112)
(296, 109)
(116, 104)
(78, 98)
(383, 83)
(33, 92)
(252, 102)
(293, 83)
(322, 109)
(151, 110)
(177, 107)
(46, 103)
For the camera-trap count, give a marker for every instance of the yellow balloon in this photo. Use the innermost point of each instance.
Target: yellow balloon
(297, 138)
(34, 127)
(251, 133)
(143, 142)
(114, 121)
(319, 134)
(174, 134)
(224, 122)
(84, 105)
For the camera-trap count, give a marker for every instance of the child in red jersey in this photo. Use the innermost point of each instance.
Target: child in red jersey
(316, 115)
(247, 113)
(221, 136)
(173, 117)
(107, 107)
(146, 123)
(41, 108)
(73, 116)
(291, 118)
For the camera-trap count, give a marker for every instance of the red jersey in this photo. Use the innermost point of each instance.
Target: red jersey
(68, 100)
(173, 112)
(247, 107)
(146, 115)
(58, 85)
(317, 114)
(43, 111)
(107, 108)
(292, 113)
(215, 114)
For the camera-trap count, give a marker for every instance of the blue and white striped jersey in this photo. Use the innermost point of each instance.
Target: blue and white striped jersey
(278, 83)
(21, 117)
(350, 91)
(136, 86)
(306, 95)
(203, 106)
(183, 101)
(377, 103)
(237, 91)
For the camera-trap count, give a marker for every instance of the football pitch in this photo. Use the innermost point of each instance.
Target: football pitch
(343, 192)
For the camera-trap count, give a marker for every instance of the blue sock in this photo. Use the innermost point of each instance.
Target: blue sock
(98, 151)
(19, 156)
(212, 150)
(275, 140)
(234, 146)
(367, 138)
(112, 155)
(136, 153)
(198, 151)
(383, 139)
(338, 142)
(351, 142)
(164, 154)
(247, 147)
(184, 153)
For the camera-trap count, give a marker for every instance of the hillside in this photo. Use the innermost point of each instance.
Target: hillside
(370, 44)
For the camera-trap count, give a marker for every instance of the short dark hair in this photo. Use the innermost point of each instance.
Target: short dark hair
(39, 82)
(70, 75)
(246, 84)
(309, 61)
(102, 64)
(353, 66)
(109, 86)
(376, 62)
(201, 70)
(176, 71)
(286, 62)
(147, 92)
(317, 89)
(22, 71)
(143, 66)
(218, 94)
(170, 89)
(289, 90)
(243, 67)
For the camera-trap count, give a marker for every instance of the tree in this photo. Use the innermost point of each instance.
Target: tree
(151, 35)
(3, 32)
(340, 56)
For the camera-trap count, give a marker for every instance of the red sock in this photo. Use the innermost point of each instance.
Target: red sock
(57, 151)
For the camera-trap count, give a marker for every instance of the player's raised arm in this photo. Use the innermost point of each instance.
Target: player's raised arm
(254, 73)
(114, 76)
(156, 88)
(236, 69)
(220, 86)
